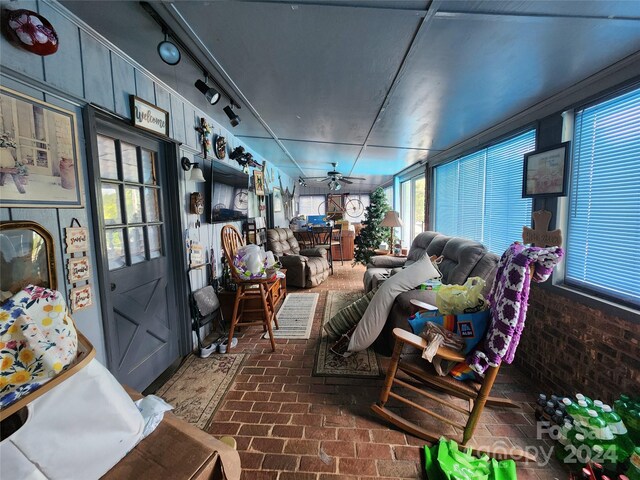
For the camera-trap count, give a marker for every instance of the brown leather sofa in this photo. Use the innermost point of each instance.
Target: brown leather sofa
(305, 268)
(462, 258)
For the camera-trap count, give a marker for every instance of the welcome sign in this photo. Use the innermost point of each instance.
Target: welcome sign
(149, 117)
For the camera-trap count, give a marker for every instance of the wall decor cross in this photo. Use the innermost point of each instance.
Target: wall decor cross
(204, 129)
(539, 235)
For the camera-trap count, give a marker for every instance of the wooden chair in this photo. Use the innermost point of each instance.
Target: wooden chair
(322, 238)
(477, 394)
(336, 240)
(263, 290)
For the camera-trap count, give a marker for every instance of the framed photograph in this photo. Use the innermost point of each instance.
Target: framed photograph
(277, 199)
(39, 154)
(546, 172)
(258, 182)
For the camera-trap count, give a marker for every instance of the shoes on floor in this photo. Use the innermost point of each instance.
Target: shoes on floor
(212, 348)
(222, 348)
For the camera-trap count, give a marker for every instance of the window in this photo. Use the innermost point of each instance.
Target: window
(388, 192)
(355, 208)
(604, 200)
(479, 196)
(310, 204)
(412, 208)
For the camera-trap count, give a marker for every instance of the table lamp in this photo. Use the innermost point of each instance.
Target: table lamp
(391, 219)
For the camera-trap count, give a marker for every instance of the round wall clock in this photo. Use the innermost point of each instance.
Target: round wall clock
(32, 32)
(221, 147)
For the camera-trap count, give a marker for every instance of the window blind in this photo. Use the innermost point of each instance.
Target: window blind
(505, 211)
(604, 201)
(478, 196)
(309, 204)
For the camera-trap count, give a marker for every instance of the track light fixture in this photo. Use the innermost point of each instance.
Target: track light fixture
(233, 118)
(210, 93)
(168, 51)
(302, 182)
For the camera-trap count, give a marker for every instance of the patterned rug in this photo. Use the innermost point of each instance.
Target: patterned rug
(295, 316)
(197, 387)
(362, 364)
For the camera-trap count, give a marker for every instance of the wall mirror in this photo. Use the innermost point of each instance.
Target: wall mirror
(26, 257)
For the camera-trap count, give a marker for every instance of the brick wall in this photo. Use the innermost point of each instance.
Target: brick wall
(568, 347)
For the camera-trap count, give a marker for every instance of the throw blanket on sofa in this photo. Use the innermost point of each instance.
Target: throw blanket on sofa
(508, 299)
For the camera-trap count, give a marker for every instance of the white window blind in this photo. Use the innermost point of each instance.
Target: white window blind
(309, 204)
(604, 201)
(479, 195)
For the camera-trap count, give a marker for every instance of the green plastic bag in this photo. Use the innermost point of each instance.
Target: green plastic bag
(444, 461)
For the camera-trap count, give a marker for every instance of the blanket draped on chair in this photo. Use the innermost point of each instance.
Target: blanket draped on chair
(509, 299)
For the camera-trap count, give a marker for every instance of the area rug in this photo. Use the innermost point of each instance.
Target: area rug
(197, 387)
(295, 316)
(359, 365)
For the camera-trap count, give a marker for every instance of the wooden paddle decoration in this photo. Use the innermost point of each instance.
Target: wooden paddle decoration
(539, 235)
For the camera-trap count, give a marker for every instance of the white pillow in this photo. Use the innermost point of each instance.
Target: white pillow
(375, 316)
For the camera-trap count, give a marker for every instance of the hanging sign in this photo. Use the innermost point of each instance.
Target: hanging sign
(196, 255)
(149, 117)
(80, 297)
(76, 239)
(79, 269)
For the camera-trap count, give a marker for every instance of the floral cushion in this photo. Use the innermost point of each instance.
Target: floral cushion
(37, 341)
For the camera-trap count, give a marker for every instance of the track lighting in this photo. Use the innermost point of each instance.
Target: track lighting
(233, 118)
(211, 94)
(168, 51)
(302, 182)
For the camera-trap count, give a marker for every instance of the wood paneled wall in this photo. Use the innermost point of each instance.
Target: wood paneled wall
(88, 69)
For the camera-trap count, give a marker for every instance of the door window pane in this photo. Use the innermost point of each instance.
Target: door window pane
(136, 245)
(115, 248)
(107, 157)
(133, 204)
(129, 162)
(148, 167)
(111, 204)
(155, 244)
(151, 204)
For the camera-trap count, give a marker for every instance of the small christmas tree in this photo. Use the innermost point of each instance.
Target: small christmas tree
(372, 235)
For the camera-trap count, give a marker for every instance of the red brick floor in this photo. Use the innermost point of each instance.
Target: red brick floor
(291, 425)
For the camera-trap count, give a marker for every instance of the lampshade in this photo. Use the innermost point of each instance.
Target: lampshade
(391, 219)
(196, 175)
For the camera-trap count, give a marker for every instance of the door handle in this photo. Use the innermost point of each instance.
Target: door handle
(113, 287)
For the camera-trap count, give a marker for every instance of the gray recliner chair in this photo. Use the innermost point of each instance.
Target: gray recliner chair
(305, 268)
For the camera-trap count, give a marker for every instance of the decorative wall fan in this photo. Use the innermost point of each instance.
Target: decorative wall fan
(335, 178)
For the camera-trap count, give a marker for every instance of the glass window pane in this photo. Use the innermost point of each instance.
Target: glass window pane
(136, 245)
(155, 243)
(151, 204)
(107, 157)
(418, 207)
(133, 204)
(129, 162)
(111, 204)
(148, 166)
(115, 248)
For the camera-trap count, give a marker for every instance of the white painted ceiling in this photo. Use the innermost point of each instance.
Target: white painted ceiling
(374, 85)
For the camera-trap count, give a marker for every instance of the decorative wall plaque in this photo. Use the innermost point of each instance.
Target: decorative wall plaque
(76, 239)
(78, 269)
(147, 116)
(80, 297)
(540, 236)
(220, 147)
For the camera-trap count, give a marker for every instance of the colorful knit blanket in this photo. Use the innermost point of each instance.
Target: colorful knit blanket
(509, 299)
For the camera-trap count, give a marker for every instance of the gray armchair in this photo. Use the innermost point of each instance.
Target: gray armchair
(305, 268)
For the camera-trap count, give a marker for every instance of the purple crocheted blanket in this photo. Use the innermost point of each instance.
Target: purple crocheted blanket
(508, 299)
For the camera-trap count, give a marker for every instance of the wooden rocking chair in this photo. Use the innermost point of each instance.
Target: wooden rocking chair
(261, 289)
(477, 394)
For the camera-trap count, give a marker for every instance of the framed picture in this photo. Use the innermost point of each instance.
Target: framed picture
(39, 154)
(546, 172)
(258, 182)
(277, 199)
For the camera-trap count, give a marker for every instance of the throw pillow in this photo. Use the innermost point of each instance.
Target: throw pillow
(346, 318)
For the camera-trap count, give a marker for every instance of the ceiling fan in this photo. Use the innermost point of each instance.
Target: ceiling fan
(334, 177)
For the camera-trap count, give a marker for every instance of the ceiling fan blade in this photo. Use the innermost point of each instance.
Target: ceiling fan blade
(314, 178)
(322, 179)
(355, 178)
(343, 180)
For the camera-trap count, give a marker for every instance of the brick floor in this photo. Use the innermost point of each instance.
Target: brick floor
(291, 425)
